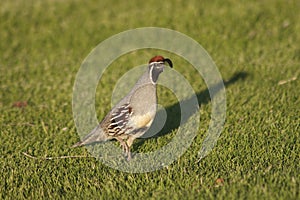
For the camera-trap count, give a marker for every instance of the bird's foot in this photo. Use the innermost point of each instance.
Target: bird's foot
(128, 156)
(126, 149)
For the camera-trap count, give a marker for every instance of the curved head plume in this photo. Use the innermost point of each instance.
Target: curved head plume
(160, 59)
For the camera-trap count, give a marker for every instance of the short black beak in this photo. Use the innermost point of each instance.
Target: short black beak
(169, 62)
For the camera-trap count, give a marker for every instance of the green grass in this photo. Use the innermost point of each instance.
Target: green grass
(257, 155)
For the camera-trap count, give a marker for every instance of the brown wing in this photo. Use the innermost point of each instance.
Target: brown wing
(117, 123)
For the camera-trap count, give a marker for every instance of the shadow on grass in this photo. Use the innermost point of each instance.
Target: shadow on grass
(203, 98)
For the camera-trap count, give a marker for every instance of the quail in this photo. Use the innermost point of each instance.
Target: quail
(133, 115)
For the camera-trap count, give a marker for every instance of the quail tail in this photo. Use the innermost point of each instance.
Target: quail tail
(96, 135)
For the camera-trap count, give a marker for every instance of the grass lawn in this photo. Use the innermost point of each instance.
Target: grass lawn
(255, 45)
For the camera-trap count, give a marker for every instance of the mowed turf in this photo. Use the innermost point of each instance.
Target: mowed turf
(255, 45)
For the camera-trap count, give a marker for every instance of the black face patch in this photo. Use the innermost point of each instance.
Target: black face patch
(155, 70)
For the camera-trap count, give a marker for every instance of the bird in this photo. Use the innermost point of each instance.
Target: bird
(133, 115)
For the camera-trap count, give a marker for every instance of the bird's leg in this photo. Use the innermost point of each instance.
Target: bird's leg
(129, 143)
(123, 144)
(125, 148)
(128, 155)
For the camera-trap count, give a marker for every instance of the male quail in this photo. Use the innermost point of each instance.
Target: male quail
(134, 114)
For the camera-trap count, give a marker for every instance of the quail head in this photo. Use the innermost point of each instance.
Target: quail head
(133, 115)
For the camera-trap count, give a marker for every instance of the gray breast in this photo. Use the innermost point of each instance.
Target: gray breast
(144, 100)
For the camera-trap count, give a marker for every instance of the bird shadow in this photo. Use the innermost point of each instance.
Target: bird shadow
(203, 98)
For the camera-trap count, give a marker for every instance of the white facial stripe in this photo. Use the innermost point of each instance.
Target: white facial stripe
(150, 74)
(160, 62)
